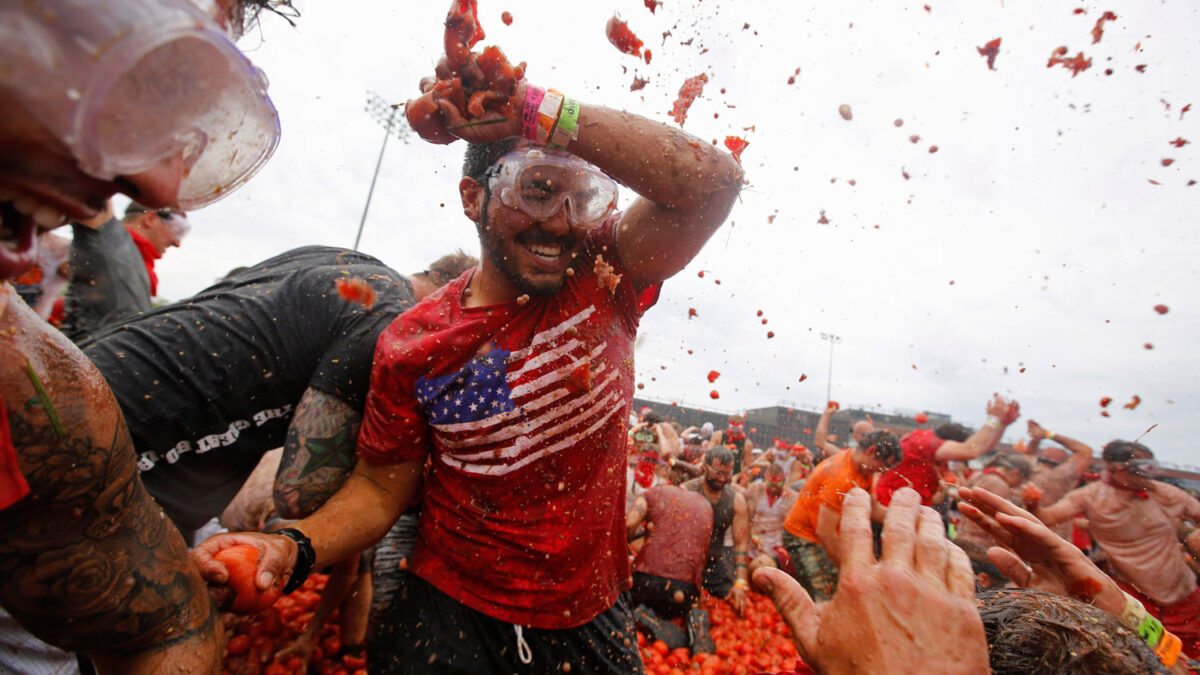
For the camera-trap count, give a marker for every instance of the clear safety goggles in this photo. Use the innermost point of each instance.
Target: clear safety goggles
(540, 183)
(125, 84)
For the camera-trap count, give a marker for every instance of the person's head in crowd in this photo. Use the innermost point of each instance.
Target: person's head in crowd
(163, 228)
(776, 479)
(877, 452)
(1036, 632)
(952, 431)
(735, 429)
(649, 464)
(987, 575)
(718, 467)
(1013, 468)
(102, 96)
(1127, 464)
(861, 428)
(532, 208)
(441, 272)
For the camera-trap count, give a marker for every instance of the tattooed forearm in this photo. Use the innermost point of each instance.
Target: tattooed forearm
(88, 561)
(318, 454)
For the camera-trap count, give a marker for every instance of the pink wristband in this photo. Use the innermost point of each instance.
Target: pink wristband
(529, 112)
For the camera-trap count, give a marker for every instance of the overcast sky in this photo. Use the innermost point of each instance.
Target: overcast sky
(1025, 256)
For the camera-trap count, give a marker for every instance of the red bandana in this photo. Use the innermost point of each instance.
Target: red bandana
(13, 487)
(149, 255)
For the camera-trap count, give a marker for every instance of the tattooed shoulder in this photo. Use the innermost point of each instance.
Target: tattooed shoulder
(88, 561)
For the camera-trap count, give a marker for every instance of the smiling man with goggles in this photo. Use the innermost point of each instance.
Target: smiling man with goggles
(539, 183)
(105, 79)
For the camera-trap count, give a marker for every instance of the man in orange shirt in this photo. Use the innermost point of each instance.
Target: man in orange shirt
(815, 514)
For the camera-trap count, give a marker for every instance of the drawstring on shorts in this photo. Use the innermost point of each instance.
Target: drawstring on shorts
(523, 651)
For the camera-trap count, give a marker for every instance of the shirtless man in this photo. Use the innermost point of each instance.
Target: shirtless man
(88, 562)
(769, 501)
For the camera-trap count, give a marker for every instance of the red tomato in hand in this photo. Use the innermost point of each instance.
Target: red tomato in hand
(242, 562)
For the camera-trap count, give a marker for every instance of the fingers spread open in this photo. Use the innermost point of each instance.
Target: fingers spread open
(900, 527)
(986, 522)
(932, 547)
(855, 541)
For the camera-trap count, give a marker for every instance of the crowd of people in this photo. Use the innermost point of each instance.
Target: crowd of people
(458, 438)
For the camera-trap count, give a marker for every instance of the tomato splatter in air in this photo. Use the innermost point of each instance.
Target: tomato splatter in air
(845, 112)
(1098, 30)
(622, 38)
(652, 5)
(1134, 403)
(356, 290)
(714, 394)
(990, 50)
(1161, 309)
(1184, 109)
(691, 312)
(1179, 142)
(1167, 161)
(758, 313)
(506, 17)
(713, 375)
(1105, 401)
(803, 377)
(605, 278)
(1076, 64)
(638, 83)
(1104, 413)
(691, 89)
(1148, 345)
(921, 418)
(770, 334)
(736, 145)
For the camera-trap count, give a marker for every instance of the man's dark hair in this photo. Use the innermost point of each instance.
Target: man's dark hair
(652, 418)
(952, 431)
(1124, 451)
(1035, 632)
(719, 454)
(884, 446)
(448, 267)
(480, 157)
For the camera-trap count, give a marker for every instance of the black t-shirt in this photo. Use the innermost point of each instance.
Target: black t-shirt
(109, 282)
(208, 384)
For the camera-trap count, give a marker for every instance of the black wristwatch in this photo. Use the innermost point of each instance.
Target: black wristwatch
(306, 557)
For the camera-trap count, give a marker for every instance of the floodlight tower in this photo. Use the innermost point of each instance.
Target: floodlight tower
(384, 113)
(833, 339)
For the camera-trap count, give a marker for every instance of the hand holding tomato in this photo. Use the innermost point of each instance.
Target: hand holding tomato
(904, 608)
(831, 407)
(275, 559)
(242, 562)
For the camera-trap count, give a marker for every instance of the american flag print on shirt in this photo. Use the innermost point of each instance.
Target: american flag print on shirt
(505, 410)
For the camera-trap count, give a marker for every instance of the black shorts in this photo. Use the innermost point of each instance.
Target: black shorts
(720, 572)
(427, 631)
(658, 593)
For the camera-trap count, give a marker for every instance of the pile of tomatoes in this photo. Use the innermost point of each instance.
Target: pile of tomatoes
(255, 639)
(756, 642)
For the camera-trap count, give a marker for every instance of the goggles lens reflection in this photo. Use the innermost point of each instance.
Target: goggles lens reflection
(540, 184)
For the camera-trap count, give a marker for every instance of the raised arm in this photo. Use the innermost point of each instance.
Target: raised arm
(668, 440)
(317, 455)
(1001, 413)
(1081, 453)
(685, 186)
(822, 431)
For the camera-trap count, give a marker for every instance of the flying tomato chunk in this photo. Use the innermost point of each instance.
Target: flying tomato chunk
(1098, 30)
(844, 111)
(1076, 64)
(652, 5)
(1134, 403)
(692, 87)
(506, 17)
(622, 38)
(713, 375)
(691, 312)
(736, 145)
(605, 276)
(1161, 309)
(1179, 142)
(921, 418)
(990, 50)
(356, 290)
(714, 394)
(1105, 401)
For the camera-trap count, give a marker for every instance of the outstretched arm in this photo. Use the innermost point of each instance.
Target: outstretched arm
(1081, 453)
(318, 454)
(1001, 413)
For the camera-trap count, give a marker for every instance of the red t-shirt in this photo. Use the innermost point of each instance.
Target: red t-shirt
(522, 409)
(918, 469)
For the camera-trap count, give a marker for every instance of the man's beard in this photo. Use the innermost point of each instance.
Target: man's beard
(494, 248)
(715, 487)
